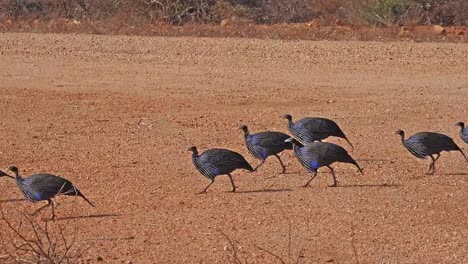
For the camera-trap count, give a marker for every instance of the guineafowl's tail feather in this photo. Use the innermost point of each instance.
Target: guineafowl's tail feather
(349, 142)
(248, 167)
(86, 199)
(461, 151)
(357, 165)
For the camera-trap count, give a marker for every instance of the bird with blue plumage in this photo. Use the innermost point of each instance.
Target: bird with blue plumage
(311, 129)
(44, 187)
(429, 144)
(214, 162)
(265, 144)
(463, 131)
(321, 154)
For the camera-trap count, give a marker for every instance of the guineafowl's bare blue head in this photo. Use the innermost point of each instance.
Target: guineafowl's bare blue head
(193, 149)
(13, 169)
(244, 128)
(288, 117)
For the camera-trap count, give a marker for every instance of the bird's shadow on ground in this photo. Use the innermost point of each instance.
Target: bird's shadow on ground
(15, 200)
(365, 160)
(384, 185)
(87, 216)
(265, 191)
(458, 174)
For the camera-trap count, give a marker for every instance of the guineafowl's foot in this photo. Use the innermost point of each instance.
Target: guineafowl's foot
(305, 186)
(333, 185)
(202, 192)
(430, 172)
(233, 190)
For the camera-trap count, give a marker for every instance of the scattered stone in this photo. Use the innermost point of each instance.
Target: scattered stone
(404, 32)
(439, 30)
(339, 23)
(225, 22)
(314, 23)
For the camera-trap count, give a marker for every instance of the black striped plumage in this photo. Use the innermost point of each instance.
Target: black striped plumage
(214, 162)
(427, 144)
(463, 132)
(310, 129)
(44, 187)
(264, 144)
(320, 154)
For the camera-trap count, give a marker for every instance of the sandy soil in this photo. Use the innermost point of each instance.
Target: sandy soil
(72, 105)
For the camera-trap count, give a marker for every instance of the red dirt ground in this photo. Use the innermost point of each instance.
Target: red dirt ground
(72, 104)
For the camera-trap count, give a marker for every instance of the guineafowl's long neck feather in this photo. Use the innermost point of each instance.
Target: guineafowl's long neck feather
(25, 189)
(17, 176)
(246, 135)
(202, 168)
(290, 123)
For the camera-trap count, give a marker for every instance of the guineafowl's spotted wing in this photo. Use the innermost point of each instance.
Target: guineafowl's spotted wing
(40, 187)
(428, 143)
(222, 161)
(268, 143)
(318, 128)
(304, 130)
(319, 154)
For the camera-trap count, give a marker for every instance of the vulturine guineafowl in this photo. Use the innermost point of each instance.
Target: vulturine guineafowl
(44, 187)
(214, 162)
(321, 154)
(264, 144)
(310, 129)
(463, 131)
(427, 144)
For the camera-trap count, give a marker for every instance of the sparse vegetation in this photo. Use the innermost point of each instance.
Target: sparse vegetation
(178, 12)
(42, 241)
(387, 12)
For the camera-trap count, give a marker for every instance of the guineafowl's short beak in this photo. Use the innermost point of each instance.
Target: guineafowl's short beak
(3, 174)
(289, 140)
(189, 149)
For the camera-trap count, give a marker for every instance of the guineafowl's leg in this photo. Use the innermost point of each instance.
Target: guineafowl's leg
(333, 175)
(204, 191)
(432, 165)
(232, 182)
(40, 209)
(263, 161)
(282, 165)
(313, 176)
(51, 203)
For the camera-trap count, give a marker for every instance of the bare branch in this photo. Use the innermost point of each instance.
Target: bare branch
(271, 254)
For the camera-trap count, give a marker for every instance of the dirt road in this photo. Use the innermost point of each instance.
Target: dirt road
(116, 115)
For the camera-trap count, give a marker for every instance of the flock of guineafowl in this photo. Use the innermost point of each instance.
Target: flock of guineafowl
(306, 143)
